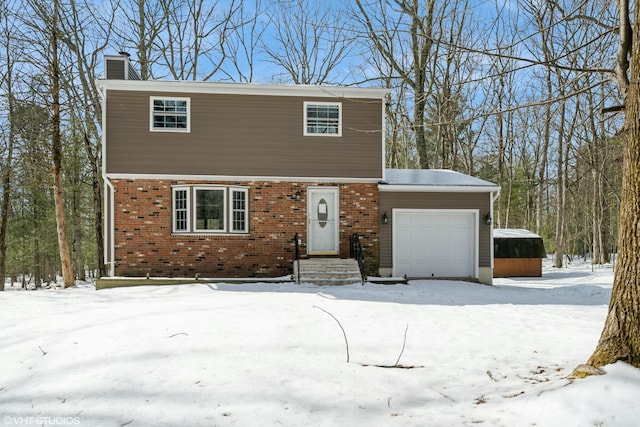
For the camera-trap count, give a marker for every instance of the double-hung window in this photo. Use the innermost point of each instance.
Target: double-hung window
(238, 209)
(181, 203)
(210, 209)
(170, 114)
(323, 119)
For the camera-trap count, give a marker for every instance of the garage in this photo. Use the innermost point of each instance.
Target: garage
(435, 243)
(436, 224)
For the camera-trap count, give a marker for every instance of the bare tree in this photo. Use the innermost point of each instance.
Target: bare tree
(86, 36)
(242, 43)
(41, 28)
(451, 69)
(499, 92)
(56, 147)
(384, 29)
(140, 26)
(310, 40)
(193, 41)
(7, 82)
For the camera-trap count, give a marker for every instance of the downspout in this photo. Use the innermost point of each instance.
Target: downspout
(386, 101)
(109, 190)
(110, 226)
(494, 196)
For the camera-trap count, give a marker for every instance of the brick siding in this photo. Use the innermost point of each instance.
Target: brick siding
(144, 243)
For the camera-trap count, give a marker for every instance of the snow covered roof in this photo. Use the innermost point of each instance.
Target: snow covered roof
(435, 178)
(514, 233)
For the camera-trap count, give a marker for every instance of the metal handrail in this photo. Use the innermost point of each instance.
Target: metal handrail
(355, 251)
(296, 239)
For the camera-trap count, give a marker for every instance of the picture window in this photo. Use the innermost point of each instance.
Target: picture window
(210, 209)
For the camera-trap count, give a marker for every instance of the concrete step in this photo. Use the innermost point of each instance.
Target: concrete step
(328, 271)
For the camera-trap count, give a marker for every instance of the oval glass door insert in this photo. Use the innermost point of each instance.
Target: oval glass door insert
(323, 214)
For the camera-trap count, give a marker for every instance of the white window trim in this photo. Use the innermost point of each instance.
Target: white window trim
(228, 209)
(304, 115)
(246, 209)
(169, 98)
(173, 208)
(224, 204)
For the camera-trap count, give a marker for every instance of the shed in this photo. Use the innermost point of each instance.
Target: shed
(517, 253)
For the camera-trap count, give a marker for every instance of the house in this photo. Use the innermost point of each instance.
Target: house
(215, 180)
(518, 253)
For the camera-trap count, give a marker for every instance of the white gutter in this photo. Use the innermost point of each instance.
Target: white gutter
(437, 188)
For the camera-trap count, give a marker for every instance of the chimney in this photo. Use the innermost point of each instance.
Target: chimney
(119, 67)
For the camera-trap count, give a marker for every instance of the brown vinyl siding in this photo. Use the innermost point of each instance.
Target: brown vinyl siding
(242, 135)
(436, 200)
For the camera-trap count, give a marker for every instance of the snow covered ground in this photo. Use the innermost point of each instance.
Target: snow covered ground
(271, 354)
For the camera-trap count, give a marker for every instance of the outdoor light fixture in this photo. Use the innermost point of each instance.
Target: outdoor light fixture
(385, 218)
(298, 196)
(487, 219)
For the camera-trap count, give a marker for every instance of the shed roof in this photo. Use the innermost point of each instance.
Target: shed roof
(514, 233)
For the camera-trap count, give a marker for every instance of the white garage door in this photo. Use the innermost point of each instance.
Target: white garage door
(434, 243)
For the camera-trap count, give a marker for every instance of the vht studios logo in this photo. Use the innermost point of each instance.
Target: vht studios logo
(41, 421)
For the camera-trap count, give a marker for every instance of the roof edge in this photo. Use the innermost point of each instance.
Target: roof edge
(267, 178)
(423, 188)
(243, 88)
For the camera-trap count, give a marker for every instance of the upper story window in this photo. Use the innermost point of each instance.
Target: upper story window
(170, 114)
(210, 209)
(323, 119)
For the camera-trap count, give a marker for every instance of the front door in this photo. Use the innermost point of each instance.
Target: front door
(323, 219)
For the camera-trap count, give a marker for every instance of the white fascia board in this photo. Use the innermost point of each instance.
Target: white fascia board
(436, 189)
(239, 178)
(243, 88)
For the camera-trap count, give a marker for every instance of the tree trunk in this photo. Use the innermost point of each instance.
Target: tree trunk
(422, 40)
(6, 193)
(37, 256)
(596, 148)
(77, 254)
(620, 338)
(63, 245)
(598, 247)
(561, 197)
(97, 205)
(421, 32)
(6, 175)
